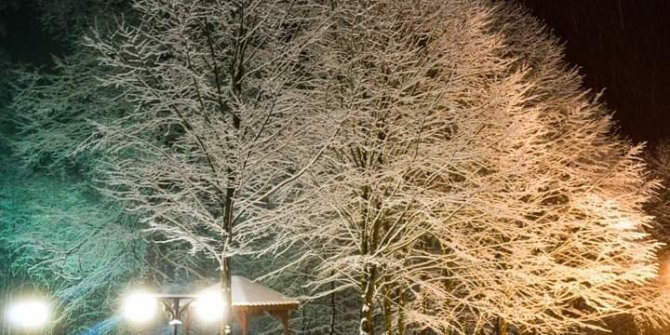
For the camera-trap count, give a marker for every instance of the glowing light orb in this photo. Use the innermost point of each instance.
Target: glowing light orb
(29, 314)
(139, 307)
(209, 305)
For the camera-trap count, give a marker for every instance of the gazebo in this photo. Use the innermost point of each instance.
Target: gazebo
(251, 299)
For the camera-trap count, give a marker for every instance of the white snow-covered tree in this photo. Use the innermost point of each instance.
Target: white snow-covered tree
(652, 301)
(562, 95)
(202, 155)
(436, 157)
(474, 184)
(659, 161)
(53, 113)
(62, 239)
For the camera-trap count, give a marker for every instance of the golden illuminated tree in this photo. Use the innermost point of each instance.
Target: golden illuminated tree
(473, 184)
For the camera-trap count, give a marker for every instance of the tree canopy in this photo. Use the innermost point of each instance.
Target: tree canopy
(430, 166)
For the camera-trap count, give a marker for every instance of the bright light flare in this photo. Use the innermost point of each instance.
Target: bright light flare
(139, 307)
(209, 305)
(625, 224)
(29, 314)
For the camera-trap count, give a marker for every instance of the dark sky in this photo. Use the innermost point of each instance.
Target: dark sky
(21, 33)
(622, 46)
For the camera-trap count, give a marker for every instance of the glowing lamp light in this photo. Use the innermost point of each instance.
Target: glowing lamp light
(139, 307)
(209, 305)
(29, 314)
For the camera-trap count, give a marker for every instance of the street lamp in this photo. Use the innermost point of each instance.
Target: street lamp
(139, 307)
(176, 305)
(28, 314)
(209, 305)
(142, 307)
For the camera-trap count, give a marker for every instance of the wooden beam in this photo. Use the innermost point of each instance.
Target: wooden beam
(283, 317)
(243, 320)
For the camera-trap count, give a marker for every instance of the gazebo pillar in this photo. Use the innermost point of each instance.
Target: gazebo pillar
(243, 320)
(283, 317)
(243, 316)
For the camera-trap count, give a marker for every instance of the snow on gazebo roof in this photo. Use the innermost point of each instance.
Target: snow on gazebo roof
(248, 293)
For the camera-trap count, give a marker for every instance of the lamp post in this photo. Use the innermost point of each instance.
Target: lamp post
(141, 307)
(176, 305)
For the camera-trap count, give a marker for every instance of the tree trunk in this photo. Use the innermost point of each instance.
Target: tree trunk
(333, 310)
(368, 286)
(502, 327)
(226, 282)
(369, 279)
(388, 308)
(226, 270)
(402, 301)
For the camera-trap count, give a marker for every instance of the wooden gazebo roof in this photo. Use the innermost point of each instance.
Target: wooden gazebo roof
(252, 299)
(247, 293)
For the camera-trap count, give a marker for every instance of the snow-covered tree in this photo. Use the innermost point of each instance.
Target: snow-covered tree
(436, 157)
(558, 85)
(474, 184)
(659, 161)
(54, 110)
(63, 235)
(61, 238)
(67, 243)
(651, 302)
(202, 155)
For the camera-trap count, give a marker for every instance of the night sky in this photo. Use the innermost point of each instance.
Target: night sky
(622, 46)
(21, 34)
